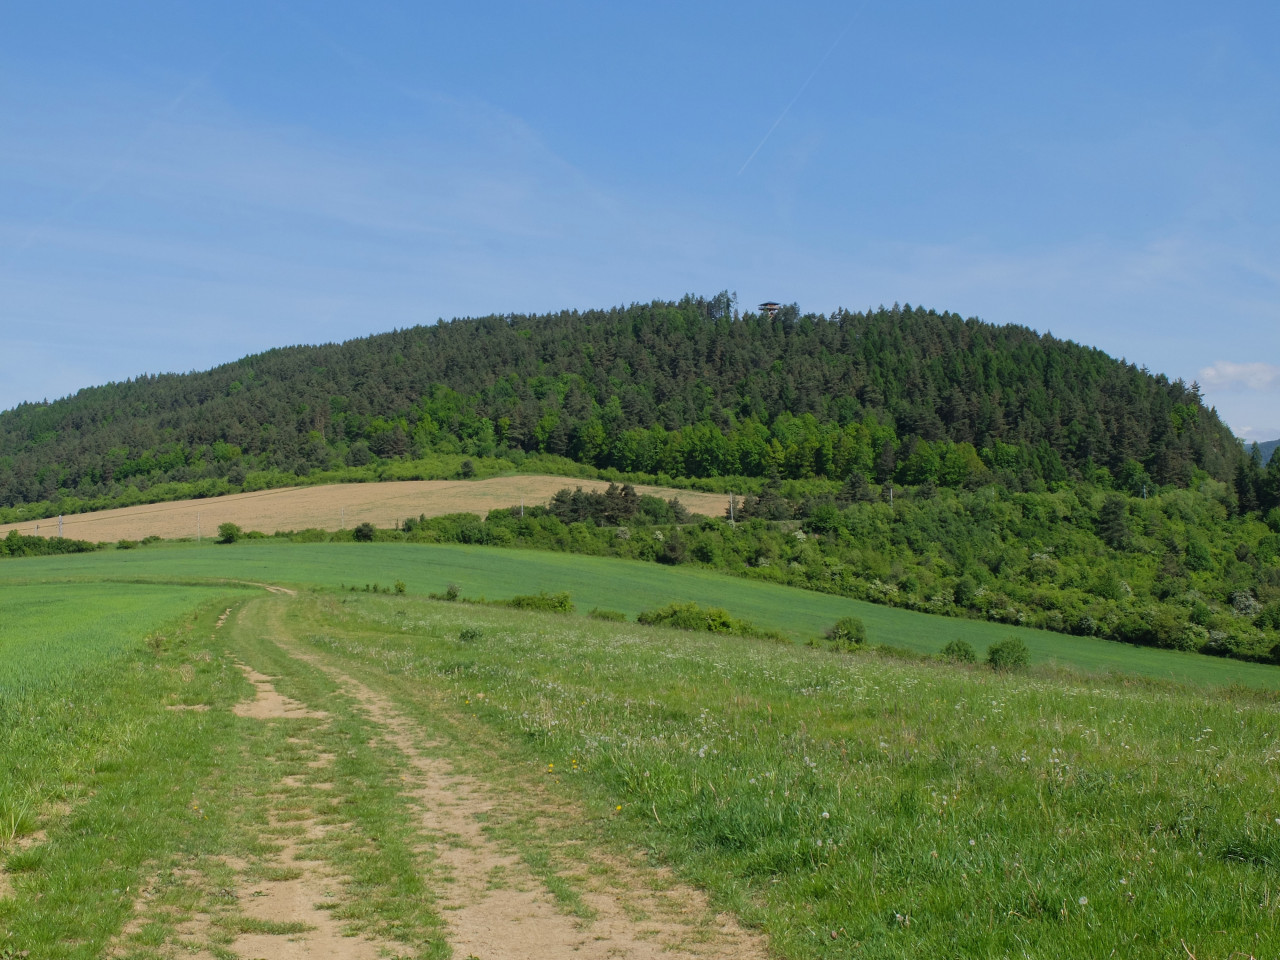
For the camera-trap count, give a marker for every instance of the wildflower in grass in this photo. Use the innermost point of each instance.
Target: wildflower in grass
(825, 815)
(1083, 901)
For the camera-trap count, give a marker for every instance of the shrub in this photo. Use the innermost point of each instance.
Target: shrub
(554, 602)
(451, 593)
(400, 586)
(229, 532)
(1269, 617)
(615, 616)
(847, 633)
(690, 616)
(1008, 654)
(126, 544)
(966, 591)
(470, 634)
(673, 551)
(363, 532)
(959, 651)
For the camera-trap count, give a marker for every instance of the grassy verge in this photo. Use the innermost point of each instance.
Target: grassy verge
(84, 724)
(853, 806)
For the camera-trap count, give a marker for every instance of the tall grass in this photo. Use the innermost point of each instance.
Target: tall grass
(856, 806)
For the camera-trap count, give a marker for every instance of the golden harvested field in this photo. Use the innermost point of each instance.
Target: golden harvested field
(333, 507)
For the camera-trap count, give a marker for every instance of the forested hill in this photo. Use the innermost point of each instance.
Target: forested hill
(689, 388)
(1268, 450)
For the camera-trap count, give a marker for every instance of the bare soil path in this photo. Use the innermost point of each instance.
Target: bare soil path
(286, 901)
(332, 507)
(498, 910)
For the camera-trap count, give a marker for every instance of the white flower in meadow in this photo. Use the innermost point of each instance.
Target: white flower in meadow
(1083, 901)
(825, 815)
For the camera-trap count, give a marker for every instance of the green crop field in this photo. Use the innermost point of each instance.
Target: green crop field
(839, 804)
(50, 634)
(622, 585)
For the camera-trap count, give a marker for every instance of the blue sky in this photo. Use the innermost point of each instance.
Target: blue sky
(182, 184)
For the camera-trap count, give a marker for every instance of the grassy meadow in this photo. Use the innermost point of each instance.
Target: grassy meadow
(847, 805)
(856, 806)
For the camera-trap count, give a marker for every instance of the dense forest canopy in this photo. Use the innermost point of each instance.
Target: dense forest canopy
(690, 388)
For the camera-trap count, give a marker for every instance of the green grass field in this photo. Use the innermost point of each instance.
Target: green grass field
(853, 806)
(621, 585)
(81, 626)
(846, 805)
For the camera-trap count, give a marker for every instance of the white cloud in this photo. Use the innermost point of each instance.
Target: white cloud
(1227, 374)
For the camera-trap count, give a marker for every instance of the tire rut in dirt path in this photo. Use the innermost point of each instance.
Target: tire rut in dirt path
(278, 904)
(496, 909)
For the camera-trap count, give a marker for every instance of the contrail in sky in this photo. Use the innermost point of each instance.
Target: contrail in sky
(803, 86)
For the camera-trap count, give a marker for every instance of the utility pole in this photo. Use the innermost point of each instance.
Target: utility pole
(342, 525)
(198, 537)
(59, 526)
(733, 502)
(522, 506)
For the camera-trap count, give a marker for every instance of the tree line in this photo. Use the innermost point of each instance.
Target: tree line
(686, 389)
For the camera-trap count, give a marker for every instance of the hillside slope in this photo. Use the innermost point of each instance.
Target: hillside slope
(687, 389)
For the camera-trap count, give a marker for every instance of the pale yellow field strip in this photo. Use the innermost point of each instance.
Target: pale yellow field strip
(333, 507)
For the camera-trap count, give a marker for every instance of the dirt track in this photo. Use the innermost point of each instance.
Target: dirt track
(287, 896)
(332, 507)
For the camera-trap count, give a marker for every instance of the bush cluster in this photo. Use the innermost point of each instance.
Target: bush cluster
(691, 616)
(847, 633)
(1010, 653)
(15, 544)
(553, 602)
